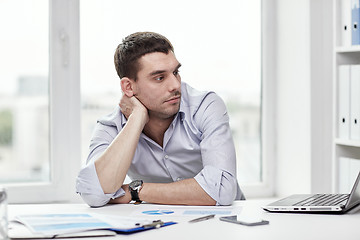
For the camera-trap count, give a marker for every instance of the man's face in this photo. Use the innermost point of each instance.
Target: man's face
(158, 84)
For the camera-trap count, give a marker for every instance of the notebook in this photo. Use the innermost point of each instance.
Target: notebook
(318, 203)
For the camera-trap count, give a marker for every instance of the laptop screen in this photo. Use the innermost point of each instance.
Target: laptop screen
(355, 194)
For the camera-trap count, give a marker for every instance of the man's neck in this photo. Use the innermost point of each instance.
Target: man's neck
(156, 128)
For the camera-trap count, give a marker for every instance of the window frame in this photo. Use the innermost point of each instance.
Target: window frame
(65, 109)
(266, 188)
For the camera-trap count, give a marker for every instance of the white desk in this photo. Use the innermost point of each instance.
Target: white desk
(282, 226)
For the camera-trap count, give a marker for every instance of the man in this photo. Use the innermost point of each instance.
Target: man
(174, 142)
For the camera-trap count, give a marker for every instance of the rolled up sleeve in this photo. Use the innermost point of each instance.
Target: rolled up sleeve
(218, 177)
(89, 188)
(220, 185)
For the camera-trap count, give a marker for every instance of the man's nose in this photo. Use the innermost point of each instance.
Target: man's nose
(175, 82)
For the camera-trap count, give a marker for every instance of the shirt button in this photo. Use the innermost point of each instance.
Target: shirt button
(166, 156)
(179, 179)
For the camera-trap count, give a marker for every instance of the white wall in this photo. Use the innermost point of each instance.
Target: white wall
(304, 92)
(293, 156)
(321, 51)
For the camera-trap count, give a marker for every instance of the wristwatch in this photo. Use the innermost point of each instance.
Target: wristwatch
(134, 188)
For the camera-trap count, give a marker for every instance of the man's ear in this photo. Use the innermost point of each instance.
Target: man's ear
(127, 86)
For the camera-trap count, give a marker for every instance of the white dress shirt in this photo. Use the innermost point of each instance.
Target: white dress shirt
(198, 144)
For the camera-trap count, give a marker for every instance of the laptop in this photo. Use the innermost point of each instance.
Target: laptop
(318, 203)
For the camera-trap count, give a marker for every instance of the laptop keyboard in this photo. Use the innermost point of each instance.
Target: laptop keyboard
(324, 200)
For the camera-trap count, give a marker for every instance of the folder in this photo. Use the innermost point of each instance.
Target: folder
(355, 19)
(344, 102)
(345, 30)
(355, 102)
(65, 225)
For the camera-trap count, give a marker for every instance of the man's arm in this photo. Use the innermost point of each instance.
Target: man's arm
(185, 192)
(113, 164)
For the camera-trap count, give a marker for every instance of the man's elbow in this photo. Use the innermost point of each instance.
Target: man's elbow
(226, 200)
(227, 194)
(94, 200)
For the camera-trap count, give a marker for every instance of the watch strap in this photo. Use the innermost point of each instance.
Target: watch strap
(135, 196)
(134, 188)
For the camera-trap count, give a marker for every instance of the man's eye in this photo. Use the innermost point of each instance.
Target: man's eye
(159, 78)
(176, 72)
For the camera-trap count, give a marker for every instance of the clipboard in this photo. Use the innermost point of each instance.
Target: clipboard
(61, 225)
(154, 225)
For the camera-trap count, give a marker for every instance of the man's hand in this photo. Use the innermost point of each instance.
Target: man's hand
(129, 105)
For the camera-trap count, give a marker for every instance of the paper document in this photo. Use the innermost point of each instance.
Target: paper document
(55, 224)
(172, 210)
(20, 231)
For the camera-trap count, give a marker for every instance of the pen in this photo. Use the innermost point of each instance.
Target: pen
(202, 218)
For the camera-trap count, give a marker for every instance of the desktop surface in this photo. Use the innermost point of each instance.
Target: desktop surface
(281, 226)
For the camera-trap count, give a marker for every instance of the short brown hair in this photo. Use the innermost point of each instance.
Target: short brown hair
(135, 46)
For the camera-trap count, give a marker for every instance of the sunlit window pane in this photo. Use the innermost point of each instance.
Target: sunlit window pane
(24, 99)
(217, 42)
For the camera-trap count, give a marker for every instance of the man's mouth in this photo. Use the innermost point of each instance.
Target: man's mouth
(174, 99)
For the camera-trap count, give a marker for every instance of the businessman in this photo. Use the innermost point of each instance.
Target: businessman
(173, 141)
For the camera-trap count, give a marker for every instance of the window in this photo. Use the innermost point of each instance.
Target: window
(24, 98)
(39, 101)
(218, 49)
(40, 78)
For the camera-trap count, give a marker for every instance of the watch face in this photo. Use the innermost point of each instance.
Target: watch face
(136, 184)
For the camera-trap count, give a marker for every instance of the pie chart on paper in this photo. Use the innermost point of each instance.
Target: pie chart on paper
(158, 212)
